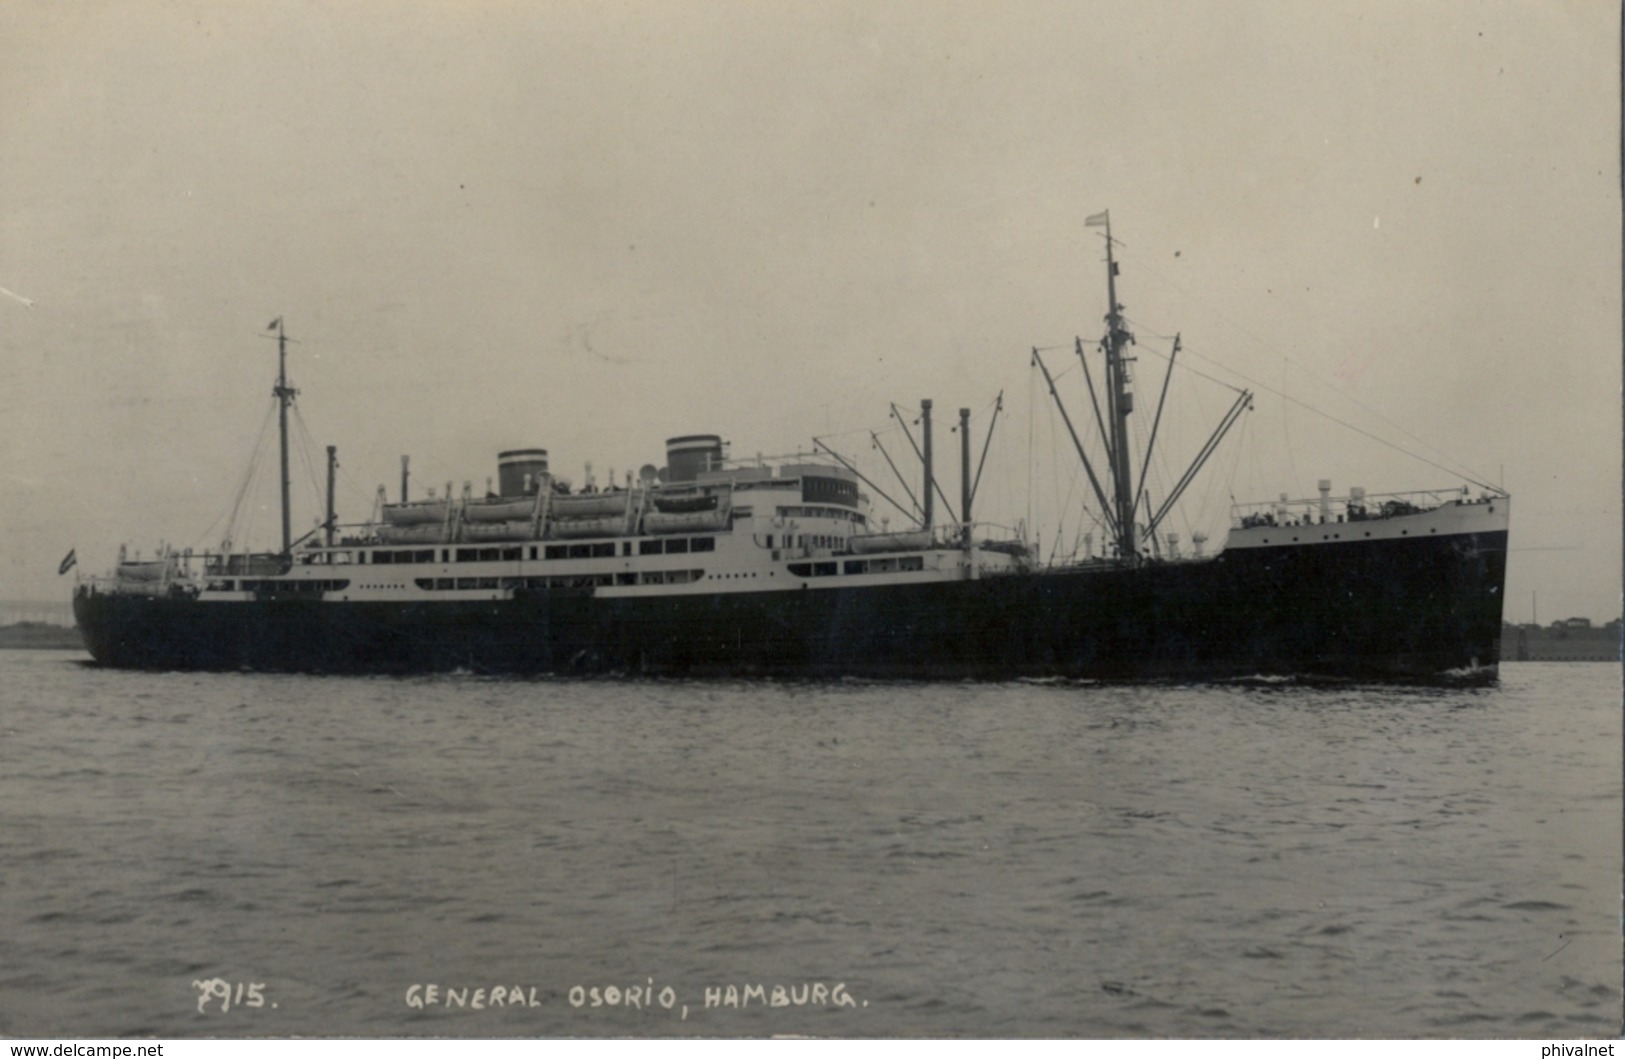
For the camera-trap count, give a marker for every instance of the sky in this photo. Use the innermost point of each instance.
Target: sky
(592, 226)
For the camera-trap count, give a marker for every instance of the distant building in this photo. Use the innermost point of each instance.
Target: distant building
(1565, 640)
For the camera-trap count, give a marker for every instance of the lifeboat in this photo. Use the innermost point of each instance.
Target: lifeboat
(685, 521)
(511, 530)
(604, 526)
(424, 533)
(415, 512)
(500, 509)
(686, 503)
(903, 541)
(587, 505)
(155, 570)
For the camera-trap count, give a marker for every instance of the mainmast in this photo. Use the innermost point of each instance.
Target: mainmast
(284, 395)
(1119, 400)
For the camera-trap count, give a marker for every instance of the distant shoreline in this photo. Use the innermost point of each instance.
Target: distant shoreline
(40, 635)
(1546, 644)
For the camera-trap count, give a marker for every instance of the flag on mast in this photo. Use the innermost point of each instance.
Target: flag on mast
(1096, 220)
(272, 326)
(69, 561)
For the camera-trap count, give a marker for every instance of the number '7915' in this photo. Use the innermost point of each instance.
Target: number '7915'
(240, 994)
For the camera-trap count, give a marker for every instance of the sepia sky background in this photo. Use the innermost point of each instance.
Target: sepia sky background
(591, 226)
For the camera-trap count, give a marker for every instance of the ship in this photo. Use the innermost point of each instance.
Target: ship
(708, 567)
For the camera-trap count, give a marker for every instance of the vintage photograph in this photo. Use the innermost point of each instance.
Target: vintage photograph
(698, 519)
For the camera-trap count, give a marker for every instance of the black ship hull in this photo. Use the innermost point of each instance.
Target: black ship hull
(1413, 609)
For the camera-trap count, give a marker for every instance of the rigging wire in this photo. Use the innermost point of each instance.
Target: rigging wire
(235, 502)
(1208, 505)
(1183, 366)
(238, 527)
(306, 457)
(1032, 403)
(1286, 428)
(1055, 477)
(1460, 469)
(354, 488)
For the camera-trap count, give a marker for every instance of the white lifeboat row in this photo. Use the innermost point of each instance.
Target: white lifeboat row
(578, 515)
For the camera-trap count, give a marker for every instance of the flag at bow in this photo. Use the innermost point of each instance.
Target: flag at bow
(1097, 220)
(68, 562)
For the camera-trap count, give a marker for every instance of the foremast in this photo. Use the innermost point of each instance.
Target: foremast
(284, 395)
(1119, 511)
(1119, 400)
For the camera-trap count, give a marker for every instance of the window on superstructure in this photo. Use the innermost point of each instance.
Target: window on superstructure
(678, 546)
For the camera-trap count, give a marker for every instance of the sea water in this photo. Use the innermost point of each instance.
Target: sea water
(190, 855)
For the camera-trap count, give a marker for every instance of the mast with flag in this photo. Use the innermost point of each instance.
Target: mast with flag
(1123, 506)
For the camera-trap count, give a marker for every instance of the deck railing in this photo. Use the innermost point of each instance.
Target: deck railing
(1356, 507)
